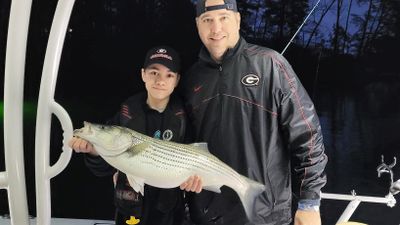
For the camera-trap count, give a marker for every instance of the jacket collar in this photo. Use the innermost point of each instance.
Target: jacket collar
(204, 55)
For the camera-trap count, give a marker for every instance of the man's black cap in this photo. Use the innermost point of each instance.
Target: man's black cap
(228, 5)
(163, 55)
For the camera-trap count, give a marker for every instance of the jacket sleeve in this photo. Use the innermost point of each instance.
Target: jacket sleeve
(98, 166)
(302, 131)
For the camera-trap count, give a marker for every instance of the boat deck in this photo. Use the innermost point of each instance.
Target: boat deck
(64, 221)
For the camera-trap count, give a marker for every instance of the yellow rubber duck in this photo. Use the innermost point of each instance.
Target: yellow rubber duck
(132, 221)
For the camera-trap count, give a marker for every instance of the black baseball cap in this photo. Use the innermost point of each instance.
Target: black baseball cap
(165, 56)
(228, 5)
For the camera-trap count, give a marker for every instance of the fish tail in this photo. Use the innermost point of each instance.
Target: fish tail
(249, 195)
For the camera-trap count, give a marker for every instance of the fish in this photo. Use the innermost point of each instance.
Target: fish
(166, 164)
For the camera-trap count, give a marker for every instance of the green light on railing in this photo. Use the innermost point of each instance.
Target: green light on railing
(29, 110)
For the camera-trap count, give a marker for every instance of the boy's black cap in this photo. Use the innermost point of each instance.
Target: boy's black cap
(228, 5)
(163, 55)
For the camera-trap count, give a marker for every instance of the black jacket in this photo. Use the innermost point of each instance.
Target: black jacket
(160, 206)
(255, 116)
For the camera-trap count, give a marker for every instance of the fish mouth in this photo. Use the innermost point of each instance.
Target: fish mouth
(84, 131)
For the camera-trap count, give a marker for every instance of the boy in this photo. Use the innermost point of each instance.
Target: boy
(159, 114)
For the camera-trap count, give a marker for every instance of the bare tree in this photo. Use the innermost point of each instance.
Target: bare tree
(335, 40)
(323, 14)
(256, 20)
(284, 17)
(364, 28)
(345, 45)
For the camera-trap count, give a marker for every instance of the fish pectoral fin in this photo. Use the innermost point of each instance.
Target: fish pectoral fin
(136, 183)
(201, 145)
(216, 189)
(138, 148)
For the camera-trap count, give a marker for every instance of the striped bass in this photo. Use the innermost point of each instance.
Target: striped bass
(165, 164)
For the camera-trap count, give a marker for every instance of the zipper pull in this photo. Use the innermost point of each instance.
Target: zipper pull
(220, 68)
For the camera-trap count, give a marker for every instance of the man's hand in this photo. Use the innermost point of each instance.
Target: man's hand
(193, 183)
(82, 146)
(307, 217)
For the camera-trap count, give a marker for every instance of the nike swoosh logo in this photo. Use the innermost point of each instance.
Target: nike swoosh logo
(197, 88)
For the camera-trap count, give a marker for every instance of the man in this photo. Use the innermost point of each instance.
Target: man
(157, 113)
(246, 102)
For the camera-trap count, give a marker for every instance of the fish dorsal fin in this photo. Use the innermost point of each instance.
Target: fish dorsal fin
(201, 145)
(136, 183)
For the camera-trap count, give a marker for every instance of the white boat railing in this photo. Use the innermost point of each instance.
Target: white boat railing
(13, 178)
(46, 107)
(355, 200)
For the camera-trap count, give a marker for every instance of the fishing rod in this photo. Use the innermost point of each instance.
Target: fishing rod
(301, 26)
